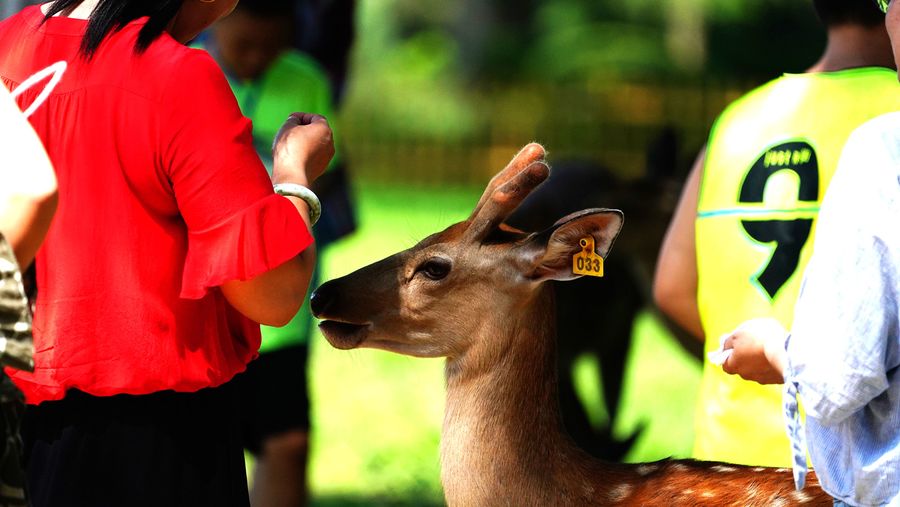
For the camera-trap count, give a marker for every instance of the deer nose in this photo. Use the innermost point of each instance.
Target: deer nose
(320, 300)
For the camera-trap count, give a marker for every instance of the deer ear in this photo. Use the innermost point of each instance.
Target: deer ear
(551, 251)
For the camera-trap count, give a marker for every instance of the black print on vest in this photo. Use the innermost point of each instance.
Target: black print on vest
(789, 236)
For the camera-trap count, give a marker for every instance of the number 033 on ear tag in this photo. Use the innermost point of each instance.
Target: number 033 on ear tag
(587, 262)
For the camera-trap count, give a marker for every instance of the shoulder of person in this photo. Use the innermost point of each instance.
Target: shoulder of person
(868, 174)
(20, 18)
(877, 139)
(177, 72)
(177, 61)
(742, 111)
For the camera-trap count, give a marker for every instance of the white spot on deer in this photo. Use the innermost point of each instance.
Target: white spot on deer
(689, 491)
(707, 494)
(779, 502)
(678, 467)
(759, 469)
(720, 468)
(620, 493)
(782, 470)
(643, 470)
(801, 497)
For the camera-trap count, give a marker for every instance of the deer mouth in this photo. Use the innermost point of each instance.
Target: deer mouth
(344, 335)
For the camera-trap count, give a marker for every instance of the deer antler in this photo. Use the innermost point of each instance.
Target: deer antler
(508, 189)
(532, 152)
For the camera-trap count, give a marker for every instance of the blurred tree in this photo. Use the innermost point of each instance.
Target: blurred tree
(421, 67)
(566, 39)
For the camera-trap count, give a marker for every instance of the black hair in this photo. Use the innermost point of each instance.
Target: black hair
(110, 16)
(849, 12)
(267, 8)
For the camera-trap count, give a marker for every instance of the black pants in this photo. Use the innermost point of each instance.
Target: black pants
(274, 396)
(161, 449)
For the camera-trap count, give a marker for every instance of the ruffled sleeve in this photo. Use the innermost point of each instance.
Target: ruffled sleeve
(249, 243)
(237, 227)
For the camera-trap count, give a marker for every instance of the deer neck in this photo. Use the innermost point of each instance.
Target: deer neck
(502, 430)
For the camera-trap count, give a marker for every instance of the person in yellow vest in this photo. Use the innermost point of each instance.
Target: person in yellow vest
(743, 231)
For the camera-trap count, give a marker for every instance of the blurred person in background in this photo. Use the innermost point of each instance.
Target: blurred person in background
(742, 234)
(168, 247)
(268, 77)
(326, 30)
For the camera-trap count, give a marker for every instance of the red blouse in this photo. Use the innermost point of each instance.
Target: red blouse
(162, 198)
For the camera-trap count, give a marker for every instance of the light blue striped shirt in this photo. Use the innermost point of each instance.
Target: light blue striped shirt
(844, 350)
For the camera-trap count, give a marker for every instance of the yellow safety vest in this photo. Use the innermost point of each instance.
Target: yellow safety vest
(770, 158)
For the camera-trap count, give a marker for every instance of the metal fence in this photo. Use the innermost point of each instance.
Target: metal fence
(610, 123)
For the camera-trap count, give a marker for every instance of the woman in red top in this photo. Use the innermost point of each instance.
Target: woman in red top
(167, 248)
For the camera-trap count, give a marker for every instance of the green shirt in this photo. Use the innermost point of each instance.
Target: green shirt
(294, 82)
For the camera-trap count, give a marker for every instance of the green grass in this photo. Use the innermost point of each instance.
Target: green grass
(377, 416)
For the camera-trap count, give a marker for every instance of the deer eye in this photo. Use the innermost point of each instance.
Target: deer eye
(435, 268)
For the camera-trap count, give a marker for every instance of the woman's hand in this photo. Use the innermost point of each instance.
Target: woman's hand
(302, 150)
(758, 354)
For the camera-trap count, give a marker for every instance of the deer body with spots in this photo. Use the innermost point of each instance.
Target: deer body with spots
(475, 294)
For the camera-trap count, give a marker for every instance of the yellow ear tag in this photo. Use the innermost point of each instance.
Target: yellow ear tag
(587, 262)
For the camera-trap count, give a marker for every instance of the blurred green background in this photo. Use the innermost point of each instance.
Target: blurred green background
(441, 91)
(441, 94)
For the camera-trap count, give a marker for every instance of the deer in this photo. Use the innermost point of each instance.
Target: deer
(476, 295)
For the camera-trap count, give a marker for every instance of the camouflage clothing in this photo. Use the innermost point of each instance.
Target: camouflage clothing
(15, 351)
(16, 348)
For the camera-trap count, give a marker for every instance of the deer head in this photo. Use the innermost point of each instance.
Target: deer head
(433, 299)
